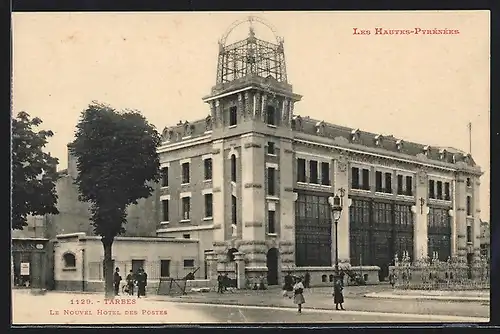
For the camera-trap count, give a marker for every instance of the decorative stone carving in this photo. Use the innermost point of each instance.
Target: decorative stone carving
(247, 111)
(355, 135)
(208, 123)
(284, 114)
(166, 135)
(342, 163)
(422, 176)
(297, 123)
(399, 144)
(257, 106)
(188, 129)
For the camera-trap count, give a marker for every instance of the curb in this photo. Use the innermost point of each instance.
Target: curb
(422, 297)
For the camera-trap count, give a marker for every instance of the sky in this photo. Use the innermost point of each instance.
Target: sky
(421, 88)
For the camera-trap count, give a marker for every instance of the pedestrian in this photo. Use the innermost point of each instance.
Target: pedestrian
(141, 279)
(130, 283)
(392, 278)
(298, 294)
(338, 296)
(225, 282)
(288, 286)
(116, 281)
(307, 280)
(220, 283)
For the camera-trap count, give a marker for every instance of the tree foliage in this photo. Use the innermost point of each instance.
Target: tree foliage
(116, 161)
(34, 172)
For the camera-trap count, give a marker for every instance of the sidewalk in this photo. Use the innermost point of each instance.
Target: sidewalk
(456, 296)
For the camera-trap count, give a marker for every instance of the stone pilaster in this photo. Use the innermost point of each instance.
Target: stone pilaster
(253, 188)
(286, 203)
(211, 259)
(421, 210)
(241, 280)
(248, 105)
(257, 107)
(218, 191)
(218, 120)
(263, 107)
(453, 219)
(461, 217)
(341, 181)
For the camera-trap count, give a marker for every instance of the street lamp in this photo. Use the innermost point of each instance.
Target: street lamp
(336, 211)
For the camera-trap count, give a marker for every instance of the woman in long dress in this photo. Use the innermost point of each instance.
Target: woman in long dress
(298, 291)
(338, 296)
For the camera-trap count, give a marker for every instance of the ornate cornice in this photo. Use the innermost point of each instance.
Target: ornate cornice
(253, 185)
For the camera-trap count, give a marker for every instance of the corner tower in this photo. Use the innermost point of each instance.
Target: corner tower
(251, 109)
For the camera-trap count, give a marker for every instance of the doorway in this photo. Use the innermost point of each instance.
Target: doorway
(272, 266)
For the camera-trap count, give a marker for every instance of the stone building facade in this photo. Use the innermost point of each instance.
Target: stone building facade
(253, 179)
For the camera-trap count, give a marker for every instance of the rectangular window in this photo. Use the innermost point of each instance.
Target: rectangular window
(469, 206)
(164, 177)
(447, 191)
(469, 233)
(431, 189)
(165, 268)
(233, 168)
(233, 116)
(208, 168)
(270, 181)
(366, 179)
(301, 170)
(186, 208)
(189, 263)
(378, 181)
(313, 172)
(409, 186)
(325, 173)
(355, 178)
(234, 212)
(208, 205)
(186, 236)
(400, 185)
(137, 264)
(271, 222)
(270, 115)
(270, 148)
(185, 172)
(439, 190)
(164, 204)
(388, 183)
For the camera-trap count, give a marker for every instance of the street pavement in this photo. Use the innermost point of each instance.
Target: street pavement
(253, 307)
(355, 300)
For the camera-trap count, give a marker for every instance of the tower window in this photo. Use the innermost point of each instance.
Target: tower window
(208, 168)
(271, 181)
(301, 170)
(313, 172)
(164, 177)
(270, 115)
(185, 172)
(469, 206)
(325, 173)
(233, 168)
(271, 222)
(233, 116)
(234, 211)
(165, 210)
(270, 148)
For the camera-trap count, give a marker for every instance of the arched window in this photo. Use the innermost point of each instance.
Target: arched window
(69, 260)
(233, 168)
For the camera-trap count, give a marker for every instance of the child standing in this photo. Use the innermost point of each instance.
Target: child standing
(298, 291)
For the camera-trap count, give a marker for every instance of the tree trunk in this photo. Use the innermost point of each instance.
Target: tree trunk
(108, 269)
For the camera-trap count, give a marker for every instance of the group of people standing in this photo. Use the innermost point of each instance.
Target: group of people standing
(294, 288)
(140, 278)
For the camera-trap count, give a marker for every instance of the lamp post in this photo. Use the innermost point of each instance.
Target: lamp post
(336, 202)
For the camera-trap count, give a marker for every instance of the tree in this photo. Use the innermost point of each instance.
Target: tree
(117, 162)
(34, 172)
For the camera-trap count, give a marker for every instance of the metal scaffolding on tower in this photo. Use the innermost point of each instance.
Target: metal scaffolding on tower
(251, 56)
